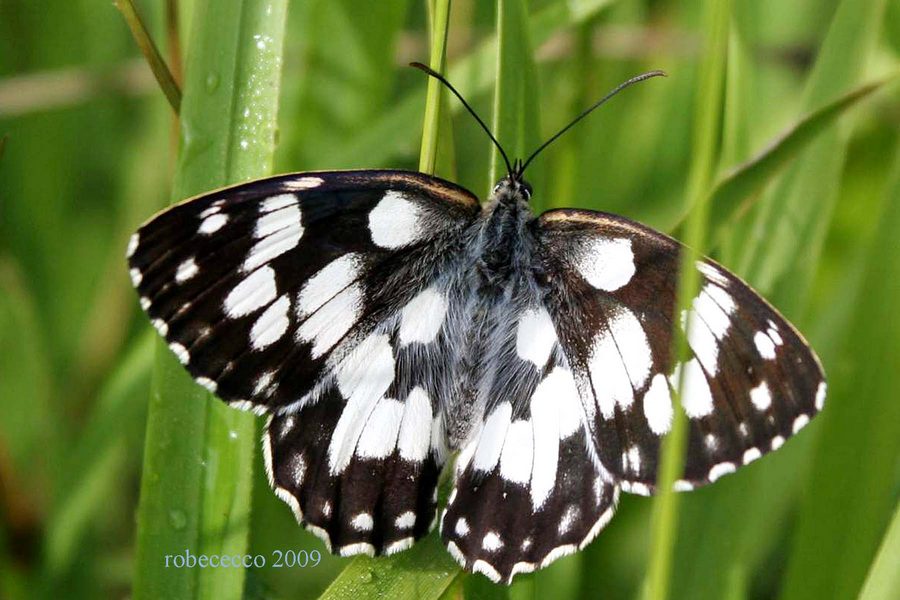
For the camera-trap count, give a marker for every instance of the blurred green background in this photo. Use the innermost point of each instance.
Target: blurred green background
(89, 151)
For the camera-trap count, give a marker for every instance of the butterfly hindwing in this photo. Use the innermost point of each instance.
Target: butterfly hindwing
(751, 381)
(528, 488)
(287, 296)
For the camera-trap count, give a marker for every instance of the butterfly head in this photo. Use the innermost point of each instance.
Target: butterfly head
(513, 188)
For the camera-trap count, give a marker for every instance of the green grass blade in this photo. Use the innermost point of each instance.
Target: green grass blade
(707, 114)
(161, 71)
(424, 572)
(94, 471)
(735, 192)
(440, 23)
(516, 96)
(793, 245)
(883, 581)
(851, 491)
(763, 493)
(195, 490)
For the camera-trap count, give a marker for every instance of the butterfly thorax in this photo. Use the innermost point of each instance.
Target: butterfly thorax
(505, 245)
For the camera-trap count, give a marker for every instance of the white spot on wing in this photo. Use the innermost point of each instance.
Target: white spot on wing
(332, 321)
(712, 273)
(492, 541)
(303, 183)
(568, 519)
(607, 264)
(461, 528)
(490, 441)
(212, 224)
(518, 453)
(406, 520)
(262, 383)
(327, 283)
(208, 383)
(799, 423)
(721, 469)
(820, 395)
(362, 522)
(554, 415)
(278, 232)
(777, 442)
(764, 345)
(658, 405)
(399, 546)
(271, 325)
(363, 377)
(181, 352)
(415, 429)
(633, 347)
(633, 460)
(379, 436)
(751, 454)
(273, 221)
(761, 397)
(252, 293)
(696, 397)
(535, 336)
(133, 242)
(358, 548)
(186, 270)
(278, 202)
(136, 277)
(422, 317)
(395, 221)
(620, 359)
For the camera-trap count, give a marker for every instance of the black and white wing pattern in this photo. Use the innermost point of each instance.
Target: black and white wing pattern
(285, 296)
(529, 488)
(751, 381)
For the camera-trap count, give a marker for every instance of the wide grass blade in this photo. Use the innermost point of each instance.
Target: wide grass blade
(793, 245)
(883, 581)
(735, 192)
(94, 464)
(715, 542)
(852, 489)
(195, 489)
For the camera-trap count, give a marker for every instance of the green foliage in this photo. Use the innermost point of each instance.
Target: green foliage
(786, 125)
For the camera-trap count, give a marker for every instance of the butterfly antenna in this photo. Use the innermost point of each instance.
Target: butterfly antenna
(442, 79)
(619, 88)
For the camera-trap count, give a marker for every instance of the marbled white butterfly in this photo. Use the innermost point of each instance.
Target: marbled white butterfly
(384, 320)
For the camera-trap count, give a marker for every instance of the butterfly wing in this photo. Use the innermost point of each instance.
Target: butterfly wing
(529, 488)
(283, 296)
(750, 383)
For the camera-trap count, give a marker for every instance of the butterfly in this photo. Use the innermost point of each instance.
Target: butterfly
(386, 321)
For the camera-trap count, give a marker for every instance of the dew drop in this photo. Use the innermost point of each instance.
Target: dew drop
(212, 82)
(177, 519)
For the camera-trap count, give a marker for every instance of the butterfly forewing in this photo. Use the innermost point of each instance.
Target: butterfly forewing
(286, 296)
(751, 380)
